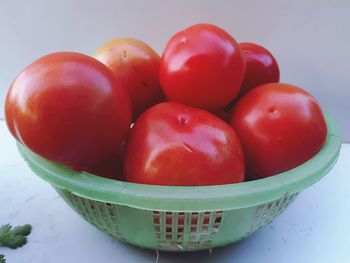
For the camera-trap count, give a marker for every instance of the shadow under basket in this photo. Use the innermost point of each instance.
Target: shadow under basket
(176, 218)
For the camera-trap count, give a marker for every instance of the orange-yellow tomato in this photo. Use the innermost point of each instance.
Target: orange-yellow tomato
(136, 65)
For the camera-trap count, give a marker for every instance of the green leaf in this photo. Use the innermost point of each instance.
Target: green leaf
(22, 230)
(2, 258)
(15, 237)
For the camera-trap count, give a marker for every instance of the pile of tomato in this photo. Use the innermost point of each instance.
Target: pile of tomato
(209, 111)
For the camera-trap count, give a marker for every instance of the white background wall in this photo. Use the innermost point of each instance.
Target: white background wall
(310, 38)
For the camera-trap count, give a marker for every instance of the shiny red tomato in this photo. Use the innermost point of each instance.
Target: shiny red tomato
(136, 65)
(280, 127)
(69, 108)
(174, 144)
(261, 68)
(202, 66)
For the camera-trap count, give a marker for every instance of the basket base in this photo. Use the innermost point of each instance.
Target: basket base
(175, 231)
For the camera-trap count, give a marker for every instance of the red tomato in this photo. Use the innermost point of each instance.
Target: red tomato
(280, 127)
(174, 144)
(69, 108)
(202, 66)
(261, 68)
(136, 65)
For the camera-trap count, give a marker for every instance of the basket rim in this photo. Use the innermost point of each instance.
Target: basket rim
(190, 198)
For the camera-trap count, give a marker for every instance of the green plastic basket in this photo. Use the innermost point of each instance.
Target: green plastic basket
(183, 218)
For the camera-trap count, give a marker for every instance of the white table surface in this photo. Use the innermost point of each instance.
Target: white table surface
(315, 228)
